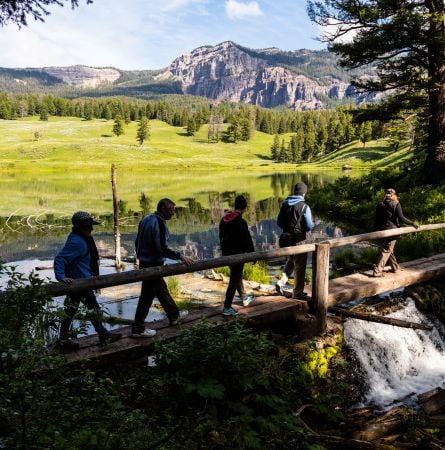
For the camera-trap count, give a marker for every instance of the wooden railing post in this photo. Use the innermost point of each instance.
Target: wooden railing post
(320, 283)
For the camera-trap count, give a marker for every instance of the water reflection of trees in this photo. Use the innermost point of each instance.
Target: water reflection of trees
(194, 228)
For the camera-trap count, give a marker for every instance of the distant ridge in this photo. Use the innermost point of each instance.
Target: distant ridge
(300, 80)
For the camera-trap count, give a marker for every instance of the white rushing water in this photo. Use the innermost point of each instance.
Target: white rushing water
(398, 363)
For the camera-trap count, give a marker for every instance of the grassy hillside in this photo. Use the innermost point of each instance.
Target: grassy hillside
(68, 166)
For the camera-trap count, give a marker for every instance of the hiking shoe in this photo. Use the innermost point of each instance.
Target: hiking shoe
(279, 288)
(301, 296)
(229, 312)
(178, 320)
(147, 333)
(248, 300)
(378, 274)
(108, 338)
(68, 346)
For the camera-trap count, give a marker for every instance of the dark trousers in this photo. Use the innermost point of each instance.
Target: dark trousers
(151, 289)
(72, 303)
(235, 284)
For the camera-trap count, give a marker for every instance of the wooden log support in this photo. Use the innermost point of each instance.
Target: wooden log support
(320, 283)
(379, 319)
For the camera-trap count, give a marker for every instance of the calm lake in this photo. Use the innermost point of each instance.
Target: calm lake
(38, 232)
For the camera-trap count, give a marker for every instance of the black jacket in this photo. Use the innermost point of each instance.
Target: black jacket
(234, 235)
(389, 215)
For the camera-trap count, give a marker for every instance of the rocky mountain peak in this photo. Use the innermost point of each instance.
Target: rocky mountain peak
(228, 71)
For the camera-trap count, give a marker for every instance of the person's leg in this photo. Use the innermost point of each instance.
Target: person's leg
(289, 267)
(166, 300)
(71, 306)
(90, 301)
(300, 262)
(236, 274)
(387, 248)
(392, 260)
(240, 285)
(148, 292)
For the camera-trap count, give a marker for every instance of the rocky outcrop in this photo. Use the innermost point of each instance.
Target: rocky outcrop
(83, 76)
(227, 72)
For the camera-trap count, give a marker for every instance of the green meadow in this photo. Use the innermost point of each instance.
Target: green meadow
(64, 164)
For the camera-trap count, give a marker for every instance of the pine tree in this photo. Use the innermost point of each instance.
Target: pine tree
(118, 127)
(405, 39)
(275, 148)
(43, 113)
(143, 132)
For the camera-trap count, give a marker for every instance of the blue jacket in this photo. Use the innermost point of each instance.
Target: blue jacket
(74, 260)
(151, 241)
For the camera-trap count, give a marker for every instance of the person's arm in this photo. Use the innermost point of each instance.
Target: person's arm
(404, 219)
(308, 217)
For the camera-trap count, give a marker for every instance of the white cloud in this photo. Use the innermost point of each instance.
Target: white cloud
(238, 10)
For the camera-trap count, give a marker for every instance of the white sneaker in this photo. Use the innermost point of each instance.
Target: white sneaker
(248, 300)
(182, 314)
(283, 280)
(147, 333)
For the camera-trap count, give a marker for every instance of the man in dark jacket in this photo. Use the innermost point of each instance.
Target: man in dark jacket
(234, 237)
(389, 215)
(79, 259)
(295, 219)
(151, 250)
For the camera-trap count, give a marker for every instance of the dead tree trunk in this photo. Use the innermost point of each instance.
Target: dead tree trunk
(117, 234)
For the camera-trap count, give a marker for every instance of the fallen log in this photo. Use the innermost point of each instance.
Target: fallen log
(379, 319)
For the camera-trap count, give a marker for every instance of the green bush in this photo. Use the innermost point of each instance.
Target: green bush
(252, 271)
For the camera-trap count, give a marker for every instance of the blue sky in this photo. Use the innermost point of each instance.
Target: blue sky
(149, 34)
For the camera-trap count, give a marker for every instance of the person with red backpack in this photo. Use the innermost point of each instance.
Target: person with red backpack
(389, 215)
(295, 219)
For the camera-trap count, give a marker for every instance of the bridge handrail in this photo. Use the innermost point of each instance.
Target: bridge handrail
(132, 276)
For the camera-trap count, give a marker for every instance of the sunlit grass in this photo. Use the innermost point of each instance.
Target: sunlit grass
(64, 164)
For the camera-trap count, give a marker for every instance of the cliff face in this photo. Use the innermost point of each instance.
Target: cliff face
(83, 76)
(227, 72)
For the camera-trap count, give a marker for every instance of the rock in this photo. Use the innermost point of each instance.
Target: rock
(229, 72)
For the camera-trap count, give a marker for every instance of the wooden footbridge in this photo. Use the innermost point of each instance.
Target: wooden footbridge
(265, 309)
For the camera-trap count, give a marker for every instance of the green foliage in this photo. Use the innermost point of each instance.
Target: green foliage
(252, 271)
(224, 379)
(174, 286)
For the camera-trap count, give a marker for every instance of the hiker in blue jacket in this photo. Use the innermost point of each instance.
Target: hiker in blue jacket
(79, 258)
(295, 219)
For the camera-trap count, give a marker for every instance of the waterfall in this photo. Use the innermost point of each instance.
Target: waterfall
(398, 363)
